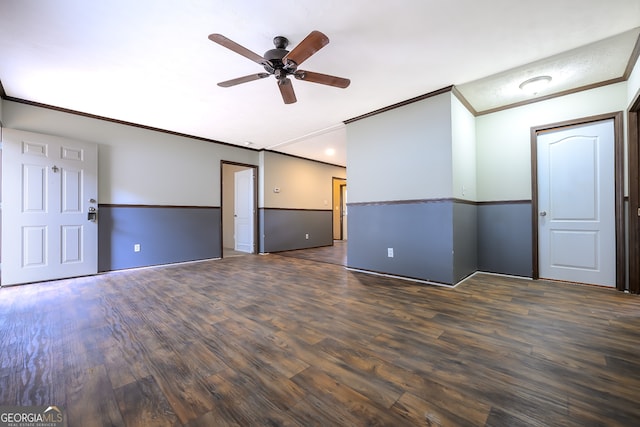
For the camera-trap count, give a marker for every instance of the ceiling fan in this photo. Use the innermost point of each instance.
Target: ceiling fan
(282, 63)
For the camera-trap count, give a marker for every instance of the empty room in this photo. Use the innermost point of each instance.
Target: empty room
(320, 213)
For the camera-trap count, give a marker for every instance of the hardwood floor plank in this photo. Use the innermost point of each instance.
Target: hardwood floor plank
(240, 400)
(142, 403)
(503, 384)
(364, 381)
(185, 391)
(247, 360)
(332, 395)
(417, 411)
(419, 384)
(500, 418)
(259, 339)
(90, 400)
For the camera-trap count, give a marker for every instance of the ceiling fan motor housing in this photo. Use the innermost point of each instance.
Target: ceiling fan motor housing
(274, 56)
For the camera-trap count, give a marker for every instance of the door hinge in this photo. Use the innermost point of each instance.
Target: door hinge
(638, 211)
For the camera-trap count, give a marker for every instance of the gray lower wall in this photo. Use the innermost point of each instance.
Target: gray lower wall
(420, 233)
(465, 240)
(166, 235)
(440, 241)
(504, 238)
(285, 229)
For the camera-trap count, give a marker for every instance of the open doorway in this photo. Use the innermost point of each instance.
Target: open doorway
(339, 209)
(633, 214)
(239, 209)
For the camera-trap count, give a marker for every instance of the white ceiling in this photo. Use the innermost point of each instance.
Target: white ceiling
(150, 62)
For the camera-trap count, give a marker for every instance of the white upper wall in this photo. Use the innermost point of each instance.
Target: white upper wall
(401, 154)
(504, 140)
(135, 165)
(633, 84)
(294, 183)
(463, 144)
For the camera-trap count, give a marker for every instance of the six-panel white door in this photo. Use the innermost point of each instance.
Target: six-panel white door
(49, 188)
(244, 210)
(576, 203)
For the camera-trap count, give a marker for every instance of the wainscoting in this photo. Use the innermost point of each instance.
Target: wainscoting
(432, 240)
(504, 237)
(166, 234)
(289, 229)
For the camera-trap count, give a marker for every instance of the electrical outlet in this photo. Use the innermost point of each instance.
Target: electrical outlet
(136, 247)
(306, 236)
(390, 252)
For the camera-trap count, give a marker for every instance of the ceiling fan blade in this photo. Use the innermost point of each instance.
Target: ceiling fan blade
(286, 90)
(244, 79)
(230, 44)
(324, 79)
(307, 47)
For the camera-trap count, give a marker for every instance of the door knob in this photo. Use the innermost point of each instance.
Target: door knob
(543, 213)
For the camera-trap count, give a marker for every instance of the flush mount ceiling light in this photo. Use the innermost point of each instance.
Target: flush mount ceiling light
(330, 151)
(535, 84)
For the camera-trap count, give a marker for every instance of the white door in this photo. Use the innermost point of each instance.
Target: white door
(49, 187)
(244, 210)
(576, 203)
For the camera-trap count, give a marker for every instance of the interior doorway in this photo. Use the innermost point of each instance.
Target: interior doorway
(239, 191)
(560, 249)
(339, 209)
(576, 238)
(634, 196)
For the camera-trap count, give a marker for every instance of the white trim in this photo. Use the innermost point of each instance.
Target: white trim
(307, 136)
(499, 274)
(426, 282)
(148, 267)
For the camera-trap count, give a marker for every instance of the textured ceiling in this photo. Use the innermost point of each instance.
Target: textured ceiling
(150, 62)
(602, 61)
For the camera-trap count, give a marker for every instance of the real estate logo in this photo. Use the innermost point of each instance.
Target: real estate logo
(31, 416)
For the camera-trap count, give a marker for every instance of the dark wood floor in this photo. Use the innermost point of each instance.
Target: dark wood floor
(336, 254)
(279, 340)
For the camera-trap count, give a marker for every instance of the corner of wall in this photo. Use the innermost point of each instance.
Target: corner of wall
(633, 83)
(463, 146)
(261, 175)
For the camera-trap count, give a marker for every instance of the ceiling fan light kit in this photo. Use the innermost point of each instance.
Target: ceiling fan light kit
(281, 63)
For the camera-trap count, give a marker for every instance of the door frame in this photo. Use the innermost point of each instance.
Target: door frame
(634, 194)
(336, 182)
(618, 137)
(255, 204)
(342, 210)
